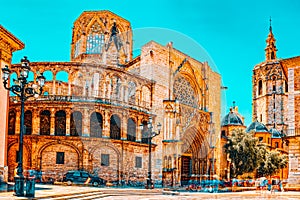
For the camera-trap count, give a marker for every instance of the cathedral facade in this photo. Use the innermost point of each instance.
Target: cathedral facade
(95, 110)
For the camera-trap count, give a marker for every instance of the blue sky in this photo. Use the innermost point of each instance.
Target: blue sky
(232, 32)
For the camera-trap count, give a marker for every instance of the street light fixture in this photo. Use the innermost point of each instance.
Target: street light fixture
(151, 134)
(23, 90)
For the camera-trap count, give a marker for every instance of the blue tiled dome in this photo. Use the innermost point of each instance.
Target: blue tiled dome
(275, 133)
(232, 119)
(257, 127)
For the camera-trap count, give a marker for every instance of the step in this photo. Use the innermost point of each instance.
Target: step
(80, 195)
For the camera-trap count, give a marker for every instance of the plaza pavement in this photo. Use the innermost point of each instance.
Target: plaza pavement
(54, 191)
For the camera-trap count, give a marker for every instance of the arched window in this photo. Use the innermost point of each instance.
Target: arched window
(115, 127)
(116, 86)
(76, 124)
(48, 75)
(145, 136)
(272, 55)
(62, 76)
(260, 87)
(96, 124)
(60, 123)
(45, 122)
(11, 122)
(28, 122)
(131, 92)
(131, 130)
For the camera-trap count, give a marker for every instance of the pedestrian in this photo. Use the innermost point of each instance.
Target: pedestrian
(281, 186)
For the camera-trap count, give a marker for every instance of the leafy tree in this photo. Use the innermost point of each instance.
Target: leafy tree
(244, 152)
(272, 162)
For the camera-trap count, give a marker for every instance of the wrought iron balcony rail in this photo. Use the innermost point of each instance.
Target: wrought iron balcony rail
(142, 106)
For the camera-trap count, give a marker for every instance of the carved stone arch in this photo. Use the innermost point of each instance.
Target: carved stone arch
(115, 120)
(105, 145)
(27, 148)
(192, 139)
(91, 23)
(59, 142)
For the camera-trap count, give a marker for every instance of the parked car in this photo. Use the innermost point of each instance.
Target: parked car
(37, 175)
(82, 177)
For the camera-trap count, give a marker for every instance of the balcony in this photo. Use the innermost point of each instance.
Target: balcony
(293, 132)
(142, 106)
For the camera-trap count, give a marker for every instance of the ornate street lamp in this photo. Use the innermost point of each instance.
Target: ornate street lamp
(151, 134)
(23, 90)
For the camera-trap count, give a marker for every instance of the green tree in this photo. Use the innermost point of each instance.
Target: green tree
(244, 151)
(273, 161)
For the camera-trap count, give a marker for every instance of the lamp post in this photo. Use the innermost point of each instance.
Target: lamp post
(23, 90)
(151, 134)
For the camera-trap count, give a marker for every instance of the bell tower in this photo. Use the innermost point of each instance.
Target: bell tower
(269, 89)
(101, 37)
(271, 48)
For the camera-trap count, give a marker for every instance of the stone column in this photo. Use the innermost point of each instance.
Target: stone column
(35, 121)
(125, 93)
(86, 123)
(52, 122)
(124, 127)
(138, 130)
(68, 122)
(106, 125)
(53, 85)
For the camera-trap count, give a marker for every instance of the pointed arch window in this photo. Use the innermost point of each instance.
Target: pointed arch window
(131, 130)
(115, 127)
(28, 122)
(96, 124)
(45, 122)
(260, 87)
(60, 123)
(11, 122)
(76, 124)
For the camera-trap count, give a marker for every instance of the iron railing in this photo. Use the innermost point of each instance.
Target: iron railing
(142, 106)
